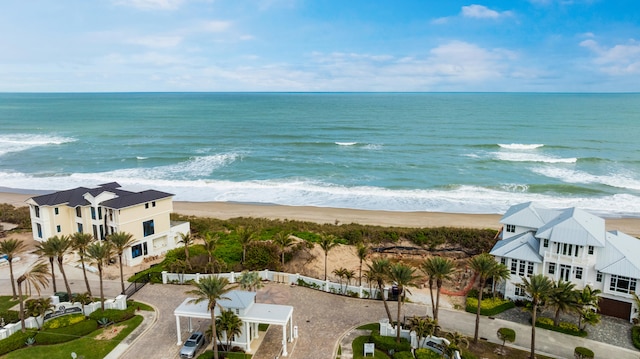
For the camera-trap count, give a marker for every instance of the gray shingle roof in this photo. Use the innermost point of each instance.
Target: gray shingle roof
(75, 197)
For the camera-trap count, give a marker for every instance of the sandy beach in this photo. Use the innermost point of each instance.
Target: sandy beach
(226, 210)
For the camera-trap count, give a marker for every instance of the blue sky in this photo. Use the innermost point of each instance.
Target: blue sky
(319, 45)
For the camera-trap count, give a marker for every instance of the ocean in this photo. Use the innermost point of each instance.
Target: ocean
(445, 152)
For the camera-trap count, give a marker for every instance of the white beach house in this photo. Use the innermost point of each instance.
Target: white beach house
(108, 209)
(573, 245)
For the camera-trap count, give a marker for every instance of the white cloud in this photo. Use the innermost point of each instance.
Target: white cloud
(483, 12)
(621, 59)
(151, 4)
(156, 41)
(213, 26)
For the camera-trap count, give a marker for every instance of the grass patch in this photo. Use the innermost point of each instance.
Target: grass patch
(6, 303)
(88, 346)
(370, 326)
(488, 306)
(263, 327)
(139, 305)
(358, 348)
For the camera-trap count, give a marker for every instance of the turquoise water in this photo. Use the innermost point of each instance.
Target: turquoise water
(468, 153)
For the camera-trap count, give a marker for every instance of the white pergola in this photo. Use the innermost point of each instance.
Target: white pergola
(249, 312)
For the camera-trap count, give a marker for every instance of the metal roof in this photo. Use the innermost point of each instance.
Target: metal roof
(528, 215)
(620, 255)
(523, 246)
(575, 226)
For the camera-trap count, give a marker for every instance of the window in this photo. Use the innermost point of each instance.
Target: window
(511, 228)
(102, 232)
(139, 249)
(39, 229)
(598, 276)
(111, 215)
(522, 266)
(99, 212)
(503, 261)
(590, 249)
(79, 212)
(147, 228)
(37, 209)
(58, 229)
(146, 205)
(578, 272)
(552, 268)
(622, 284)
(520, 290)
(93, 213)
(529, 269)
(153, 204)
(79, 227)
(56, 211)
(545, 243)
(95, 232)
(514, 266)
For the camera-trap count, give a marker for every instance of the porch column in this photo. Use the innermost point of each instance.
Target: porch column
(178, 330)
(284, 340)
(247, 336)
(255, 330)
(291, 329)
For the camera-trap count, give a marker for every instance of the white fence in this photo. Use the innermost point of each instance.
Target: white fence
(286, 278)
(433, 343)
(119, 302)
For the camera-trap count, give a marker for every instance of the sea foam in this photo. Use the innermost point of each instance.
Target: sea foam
(21, 142)
(520, 146)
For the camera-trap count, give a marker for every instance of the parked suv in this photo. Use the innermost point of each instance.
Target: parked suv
(191, 346)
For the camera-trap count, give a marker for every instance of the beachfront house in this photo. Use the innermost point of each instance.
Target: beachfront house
(108, 209)
(572, 245)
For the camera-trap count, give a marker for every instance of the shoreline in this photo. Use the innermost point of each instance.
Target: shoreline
(328, 215)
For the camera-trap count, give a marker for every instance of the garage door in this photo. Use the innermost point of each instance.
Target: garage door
(615, 308)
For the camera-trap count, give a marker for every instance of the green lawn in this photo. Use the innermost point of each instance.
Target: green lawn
(6, 303)
(88, 346)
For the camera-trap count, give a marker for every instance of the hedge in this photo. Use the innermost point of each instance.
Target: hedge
(113, 315)
(489, 306)
(64, 321)
(389, 343)
(564, 327)
(426, 354)
(403, 355)
(583, 353)
(14, 342)
(635, 336)
(66, 334)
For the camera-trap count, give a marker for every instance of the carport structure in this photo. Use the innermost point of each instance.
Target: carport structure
(251, 313)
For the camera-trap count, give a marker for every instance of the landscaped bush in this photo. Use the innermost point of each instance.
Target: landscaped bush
(506, 335)
(113, 315)
(14, 341)
(635, 336)
(564, 327)
(389, 343)
(65, 334)
(582, 353)
(489, 306)
(10, 316)
(64, 321)
(426, 354)
(403, 355)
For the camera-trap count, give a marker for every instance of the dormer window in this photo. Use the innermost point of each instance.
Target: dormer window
(590, 249)
(511, 228)
(545, 243)
(56, 211)
(37, 209)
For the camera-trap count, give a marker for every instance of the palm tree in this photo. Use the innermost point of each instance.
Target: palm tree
(211, 289)
(362, 251)
(424, 327)
(587, 301)
(12, 247)
(99, 252)
(83, 299)
(179, 266)
(456, 340)
(539, 288)
(61, 246)
(38, 308)
(229, 323)
(245, 237)
(283, 240)
(403, 276)
(377, 273)
(80, 241)
(119, 242)
(562, 299)
(500, 274)
(250, 281)
(484, 266)
(327, 242)
(210, 242)
(45, 249)
(348, 275)
(36, 276)
(340, 272)
(438, 269)
(186, 239)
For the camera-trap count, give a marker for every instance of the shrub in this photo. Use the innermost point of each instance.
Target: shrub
(261, 255)
(489, 306)
(506, 335)
(426, 354)
(64, 296)
(66, 334)
(403, 355)
(10, 316)
(64, 321)
(113, 315)
(635, 336)
(564, 327)
(14, 342)
(582, 353)
(389, 343)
